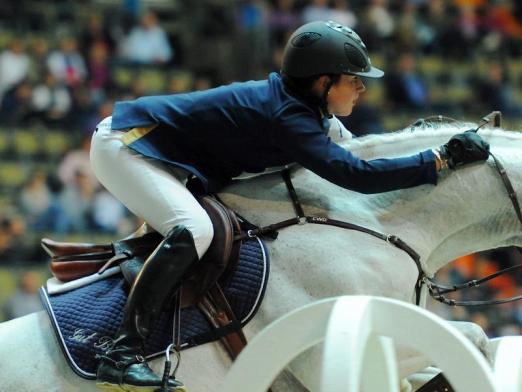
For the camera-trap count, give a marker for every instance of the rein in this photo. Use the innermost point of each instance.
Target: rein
(436, 290)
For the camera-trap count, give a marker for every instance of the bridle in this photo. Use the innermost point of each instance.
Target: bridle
(436, 290)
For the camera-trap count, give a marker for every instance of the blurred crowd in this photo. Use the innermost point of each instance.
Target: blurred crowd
(496, 320)
(64, 63)
(68, 74)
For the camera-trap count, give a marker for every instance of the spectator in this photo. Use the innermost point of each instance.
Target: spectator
(316, 10)
(147, 43)
(500, 18)
(494, 91)
(470, 3)
(437, 26)
(282, 20)
(100, 80)
(469, 23)
(85, 103)
(16, 108)
(14, 66)
(67, 64)
(408, 27)
(77, 161)
(51, 100)
(25, 300)
(39, 51)
(108, 214)
(252, 44)
(505, 30)
(13, 248)
(468, 29)
(39, 205)
(342, 14)
(95, 33)
(76, 200)
(405, 88)
(379, 24)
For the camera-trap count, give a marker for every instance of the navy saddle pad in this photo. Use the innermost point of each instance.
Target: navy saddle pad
(86, 318)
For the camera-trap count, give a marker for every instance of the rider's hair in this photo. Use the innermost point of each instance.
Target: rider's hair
(303, 88)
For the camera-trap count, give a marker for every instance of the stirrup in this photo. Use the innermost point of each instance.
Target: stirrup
(166, 370)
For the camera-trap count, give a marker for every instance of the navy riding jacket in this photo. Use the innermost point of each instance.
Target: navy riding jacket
(220, 133)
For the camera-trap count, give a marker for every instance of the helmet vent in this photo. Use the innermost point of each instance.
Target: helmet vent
(305, 39)
(355, 57)
(346, 31)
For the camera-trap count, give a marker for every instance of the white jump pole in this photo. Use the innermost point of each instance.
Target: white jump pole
(359, 332)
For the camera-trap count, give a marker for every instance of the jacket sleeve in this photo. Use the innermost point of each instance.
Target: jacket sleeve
(298, 133)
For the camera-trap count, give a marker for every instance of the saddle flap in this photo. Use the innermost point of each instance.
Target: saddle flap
(72, 261)
(217, 262)
(218, 256)
(74, 269)
(59, 249)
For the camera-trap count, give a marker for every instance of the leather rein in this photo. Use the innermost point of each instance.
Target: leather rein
(436, 290)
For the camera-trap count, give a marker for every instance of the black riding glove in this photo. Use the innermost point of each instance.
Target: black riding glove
(464, 148)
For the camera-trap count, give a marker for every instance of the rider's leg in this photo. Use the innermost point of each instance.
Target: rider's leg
(157, 194)
(123, 364)
(147, 187)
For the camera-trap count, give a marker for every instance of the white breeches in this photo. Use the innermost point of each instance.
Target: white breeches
(149, 188)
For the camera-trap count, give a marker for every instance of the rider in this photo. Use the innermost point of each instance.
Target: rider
(144, 153)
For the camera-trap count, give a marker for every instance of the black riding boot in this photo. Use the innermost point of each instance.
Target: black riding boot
(123, 366)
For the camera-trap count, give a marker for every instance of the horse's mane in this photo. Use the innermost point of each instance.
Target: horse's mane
(434, 132)
(399, 143)
(416, 132)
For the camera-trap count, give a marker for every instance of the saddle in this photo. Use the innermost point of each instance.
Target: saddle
(71, 261)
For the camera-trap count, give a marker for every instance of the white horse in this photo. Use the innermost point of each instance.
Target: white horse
(467, 211)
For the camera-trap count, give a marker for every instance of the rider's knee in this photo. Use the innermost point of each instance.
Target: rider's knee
(203, 232)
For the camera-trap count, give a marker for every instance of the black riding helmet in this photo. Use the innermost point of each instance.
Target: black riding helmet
(319, 48)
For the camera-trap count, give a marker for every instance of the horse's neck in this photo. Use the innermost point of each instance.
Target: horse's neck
(401, 143)
(467, 211)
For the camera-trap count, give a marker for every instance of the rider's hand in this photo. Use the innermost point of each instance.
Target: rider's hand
(464, 148)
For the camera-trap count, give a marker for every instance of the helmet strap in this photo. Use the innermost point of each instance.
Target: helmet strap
(317, 99)
(324, 99)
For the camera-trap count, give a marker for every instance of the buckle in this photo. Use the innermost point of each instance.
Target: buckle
(429, 284)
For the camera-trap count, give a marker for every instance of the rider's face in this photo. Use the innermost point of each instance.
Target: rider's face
(343, 95)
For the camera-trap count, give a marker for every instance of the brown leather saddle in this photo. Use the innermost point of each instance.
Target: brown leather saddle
(71, 261)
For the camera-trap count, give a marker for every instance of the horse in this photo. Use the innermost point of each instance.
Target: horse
(467, 211)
